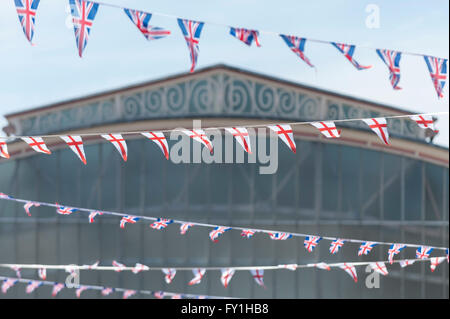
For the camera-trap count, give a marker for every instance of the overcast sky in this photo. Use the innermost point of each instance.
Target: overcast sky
(118, 55)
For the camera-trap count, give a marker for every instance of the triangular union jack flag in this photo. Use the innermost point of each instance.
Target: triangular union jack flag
(161, 223)
(297, 45)
(76, 145)
(311, 242)
(348, 51)
(26, 10)
(423, 252)
(438, 73)
(83, 15)
(394, 250)
(392, 61)
(245, 35)
(191, 31)
(141, 20)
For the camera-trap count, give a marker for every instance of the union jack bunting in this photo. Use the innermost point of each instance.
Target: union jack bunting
(247, 233)
(351, 270)
(37, 144)
(348, 51)
(280, 236)
(8, 283)
(227, 274)
(42, 273)
(245, 35)
(199, 136)
(241, 136)
(169, 274)
(394, 250)
(4, 196)
(118, 266)
(32, 285)
(128, 219)
(28, 205)
(311, 242)
(423, 252)
(198, 275)
(159, 294)
(57, 287)
(424, 121)
(191, 31)
(366, 247)
(139, 267)
(177, 296)
(92, 216)
(258, 275)
(119, 143)
(405, 263)
(216, 232)
(328, 129)
(107, 291)
(76, 145)
(435, 261)
(285, 133)
(297, 45)
(379, 126)
(161, 223)
(64, 210)
(160, 140)
(185, 227)
(80, 290)
(4, 149)
(83, 15)
(26, 10)
(380, 268)
(142, 20)
(336, 246)
(322, 265)
(438, 73)
(128, 293)
(392, 61)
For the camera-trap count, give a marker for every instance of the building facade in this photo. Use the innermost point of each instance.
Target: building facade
(351, 187)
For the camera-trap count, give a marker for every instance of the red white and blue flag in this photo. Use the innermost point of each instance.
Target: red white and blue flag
(336, 246)
(198, 275)
(297, 45)
(216, 232)
(142, 20)
(311, 242)
(258, 275)
(247, 233)
(128, 219)
(380, 268)
(160, 140)
(4, 149)
(5, 196)
(26, 10)
(423, 252)
(351, 270)
(107, 291)
(366, 248)
(92, 216)
(199, 136)
(83, 15)
(169, 274)
(245, 35)
(328, 129)
(227, 274)
(280, 236)
(285, 133)
(64, 210)
(119, 143)
(37, 144)
(392, 61)
(28, 206)
(185, 227)
(159, 294)
(139, 267)
(32, 285)
(57, 287)
(394, 250)
(348, 51)
(241, 136)
(128, 293)
(8, 283)
(76, 145)
(438, 73)
(161, 223)
(191, 31)
(80, 290)
(379, 126)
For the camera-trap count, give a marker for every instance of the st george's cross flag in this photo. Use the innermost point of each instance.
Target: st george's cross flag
(227, 274)
(198, 275)
(191, 31)
(118, 267)
(406, 263)
(380, 268)
(199, 136)
(392, 61)
(37, 144)
(169, 274)
(348, 51)
(119, 143)
(435, 261)
(28, 206)
(351, 270)
(438, 73)
(83, 15)
(26, 10)
(128, 293)
(424, 121)
(160, 140)
(42, 273)
(297, 45)
(322, 265)
(258, 276)
(245, 35)
(139, 267)
(285, 133)
(242, 137)
(379, 126)
(142, 22)
(3, 149)
(327, 128)
(76, 145)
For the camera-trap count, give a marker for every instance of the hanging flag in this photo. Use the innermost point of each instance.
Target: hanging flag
(245, 35)
(258, 275)
(280, 236)
(37, 144)
(4, 196)
(285, 133)
(199, 136)
(380, 268)
(8, 283)
(32, 285)
(348, 51)
(26, 10)
(351, 270)
(92, 216)
(128, 293)
(446, 253)
(17, 270)
(322, 265)
(438, 73)
(328, 129)
(185, 227)
(64, 210)
(119, 143)
(424, 121)
(241, 136)
(3, 149)
(161, 223)
(57, 287)
(160, 140)
(247, 233)
(291, 267)
(423, 252)
(366, 247)
(159, 294)
(227, 274)
(405, 263)
(76, 145)
(118, 266)
(83, 15)
(107, 291)
(169, 274)
(139, 267)
(42, 273)
(297, 45)
(80, 290)
(435, 261)
(311, 242)
(176, 296)
(128, 219)
(28, 205)
(379, 126)
(336, 246)
(142, 20)
(392, 61)
(217, 232)
(394, 250)
(93, 266)
(198, 275)
(191, 31)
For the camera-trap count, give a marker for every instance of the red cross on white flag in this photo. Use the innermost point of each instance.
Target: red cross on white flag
(119, 143)
(241, 136)
(285, 133)
(128, 293)
(4, 149)
(379, 126)
(169, 274)
(322, 265)
(118, 267)
(139, 267)
(37, 144)
(227, 274)
(351, 270)
(199, 136)
(424, 121)
(407, 262)
(42, 273)
(76, 145)
(328, 129)
(435, 261)
(160, 140)
(258, 275)
(380, 268)
(198, 275)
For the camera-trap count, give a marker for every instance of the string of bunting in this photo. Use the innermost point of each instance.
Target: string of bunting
(84, 12)
(310, 241)
(284, 131)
